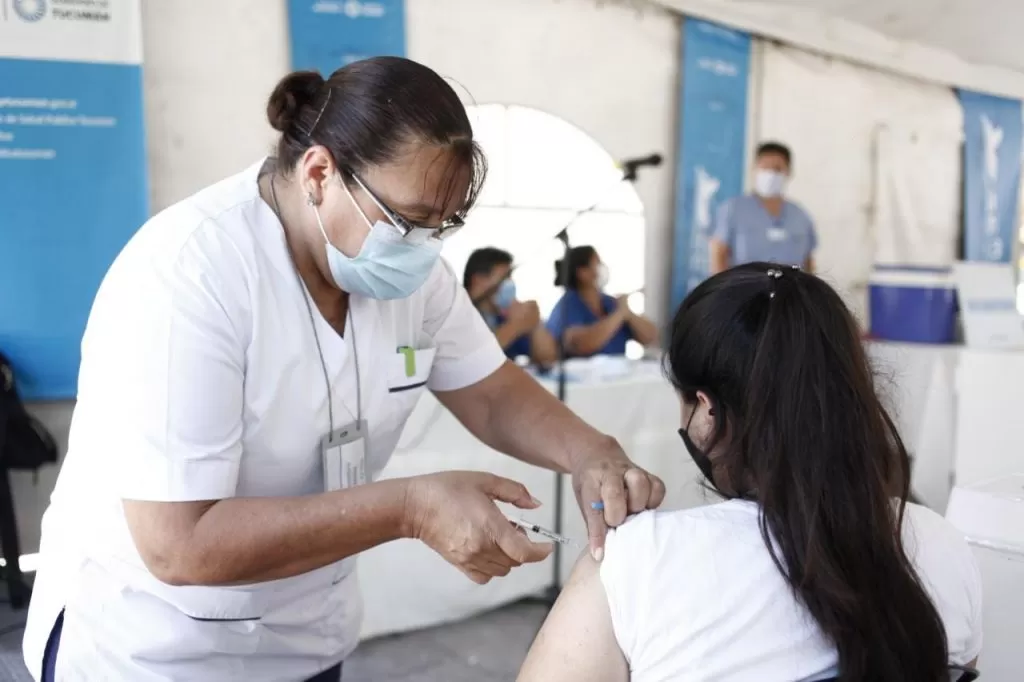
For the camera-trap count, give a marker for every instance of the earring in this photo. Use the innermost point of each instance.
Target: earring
(310, 199)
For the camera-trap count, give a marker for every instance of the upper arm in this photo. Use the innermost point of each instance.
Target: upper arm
(466, 350)
(167, 349)
(169, 341)
(577, 642)
(718, 256)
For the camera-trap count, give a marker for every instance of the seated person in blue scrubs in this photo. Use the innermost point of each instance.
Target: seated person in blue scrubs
(593, 322)
(764, 226)
(516, 324)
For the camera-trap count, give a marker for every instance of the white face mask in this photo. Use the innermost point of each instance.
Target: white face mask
(602, 276)
(768, 183)
(388, 266)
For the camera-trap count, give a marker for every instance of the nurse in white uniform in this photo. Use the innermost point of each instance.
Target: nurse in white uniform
(248, 365)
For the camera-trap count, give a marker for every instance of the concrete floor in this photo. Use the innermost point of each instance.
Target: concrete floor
(488, 648)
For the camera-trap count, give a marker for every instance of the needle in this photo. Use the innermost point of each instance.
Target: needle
(549, 534)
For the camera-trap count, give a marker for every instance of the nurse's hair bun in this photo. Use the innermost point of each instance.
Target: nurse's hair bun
(294, 92)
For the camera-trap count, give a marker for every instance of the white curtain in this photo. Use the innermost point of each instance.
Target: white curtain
(876, 162)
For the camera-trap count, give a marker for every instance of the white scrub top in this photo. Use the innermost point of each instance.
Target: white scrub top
(200, 380)
(695, 595)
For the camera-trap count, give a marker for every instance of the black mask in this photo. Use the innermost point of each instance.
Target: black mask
(700, 458)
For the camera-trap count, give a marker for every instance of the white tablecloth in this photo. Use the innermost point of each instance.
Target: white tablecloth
(990, 430)
(407, 586)
(917, 383)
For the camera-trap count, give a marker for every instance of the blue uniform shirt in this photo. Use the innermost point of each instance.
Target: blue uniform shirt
(571, 311)
(517, 348)
(753, 234)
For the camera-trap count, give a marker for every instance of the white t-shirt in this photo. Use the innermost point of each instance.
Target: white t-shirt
(694, 595)
(200, 379)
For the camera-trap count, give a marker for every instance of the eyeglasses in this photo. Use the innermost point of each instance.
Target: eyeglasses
(411, 231)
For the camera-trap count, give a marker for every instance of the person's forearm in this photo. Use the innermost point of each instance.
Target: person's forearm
(543, 349)
(719, 257)
(253, 539)
(592, 338)
(643, 330)
(507, 334)
(512, 413)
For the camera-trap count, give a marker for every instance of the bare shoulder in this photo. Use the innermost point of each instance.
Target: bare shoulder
(577, 642)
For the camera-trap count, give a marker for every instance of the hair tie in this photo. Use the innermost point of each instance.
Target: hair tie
(773, 274)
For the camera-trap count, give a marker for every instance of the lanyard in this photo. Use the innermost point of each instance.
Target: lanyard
(316, 335)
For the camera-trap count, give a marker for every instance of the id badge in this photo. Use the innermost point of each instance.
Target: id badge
(776, 234)
(344, 457)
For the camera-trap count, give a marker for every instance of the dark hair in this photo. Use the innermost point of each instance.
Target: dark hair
(483, 261)
(782, 150)
(579, 257)
(808, 438)
(367, 111)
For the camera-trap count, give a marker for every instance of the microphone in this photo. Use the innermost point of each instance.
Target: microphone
(629, 166)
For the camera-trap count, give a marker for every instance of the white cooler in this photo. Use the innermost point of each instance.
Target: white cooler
(991, 515)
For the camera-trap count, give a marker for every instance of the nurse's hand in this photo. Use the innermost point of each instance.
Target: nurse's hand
(455, 515)
(609, 486)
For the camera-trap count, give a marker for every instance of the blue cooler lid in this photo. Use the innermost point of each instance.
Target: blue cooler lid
(912, 276)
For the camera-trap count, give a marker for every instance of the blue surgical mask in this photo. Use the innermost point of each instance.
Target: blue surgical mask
(387, 267)
(506, 294)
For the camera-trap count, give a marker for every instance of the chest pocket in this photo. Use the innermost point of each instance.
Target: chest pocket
(407, 373)
(409, 370)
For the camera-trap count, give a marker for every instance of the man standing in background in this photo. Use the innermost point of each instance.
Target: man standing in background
(516, 324)
(764, 226)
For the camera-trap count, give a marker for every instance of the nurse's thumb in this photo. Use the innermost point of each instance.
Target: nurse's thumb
(510, 491)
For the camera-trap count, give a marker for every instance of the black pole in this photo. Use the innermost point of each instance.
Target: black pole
(565, 269)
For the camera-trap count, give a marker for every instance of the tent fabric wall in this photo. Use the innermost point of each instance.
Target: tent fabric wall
(820, 26)
(876, 162)
(917, 196)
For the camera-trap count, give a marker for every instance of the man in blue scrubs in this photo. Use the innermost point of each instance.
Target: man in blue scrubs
(516, 324)
(764, 226)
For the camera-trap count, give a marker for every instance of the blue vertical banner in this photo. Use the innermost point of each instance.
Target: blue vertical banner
(73, 185)
(712, 142)
(329, 34)
(992, 167)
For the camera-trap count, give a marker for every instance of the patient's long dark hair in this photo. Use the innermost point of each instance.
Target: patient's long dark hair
(800, 429)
